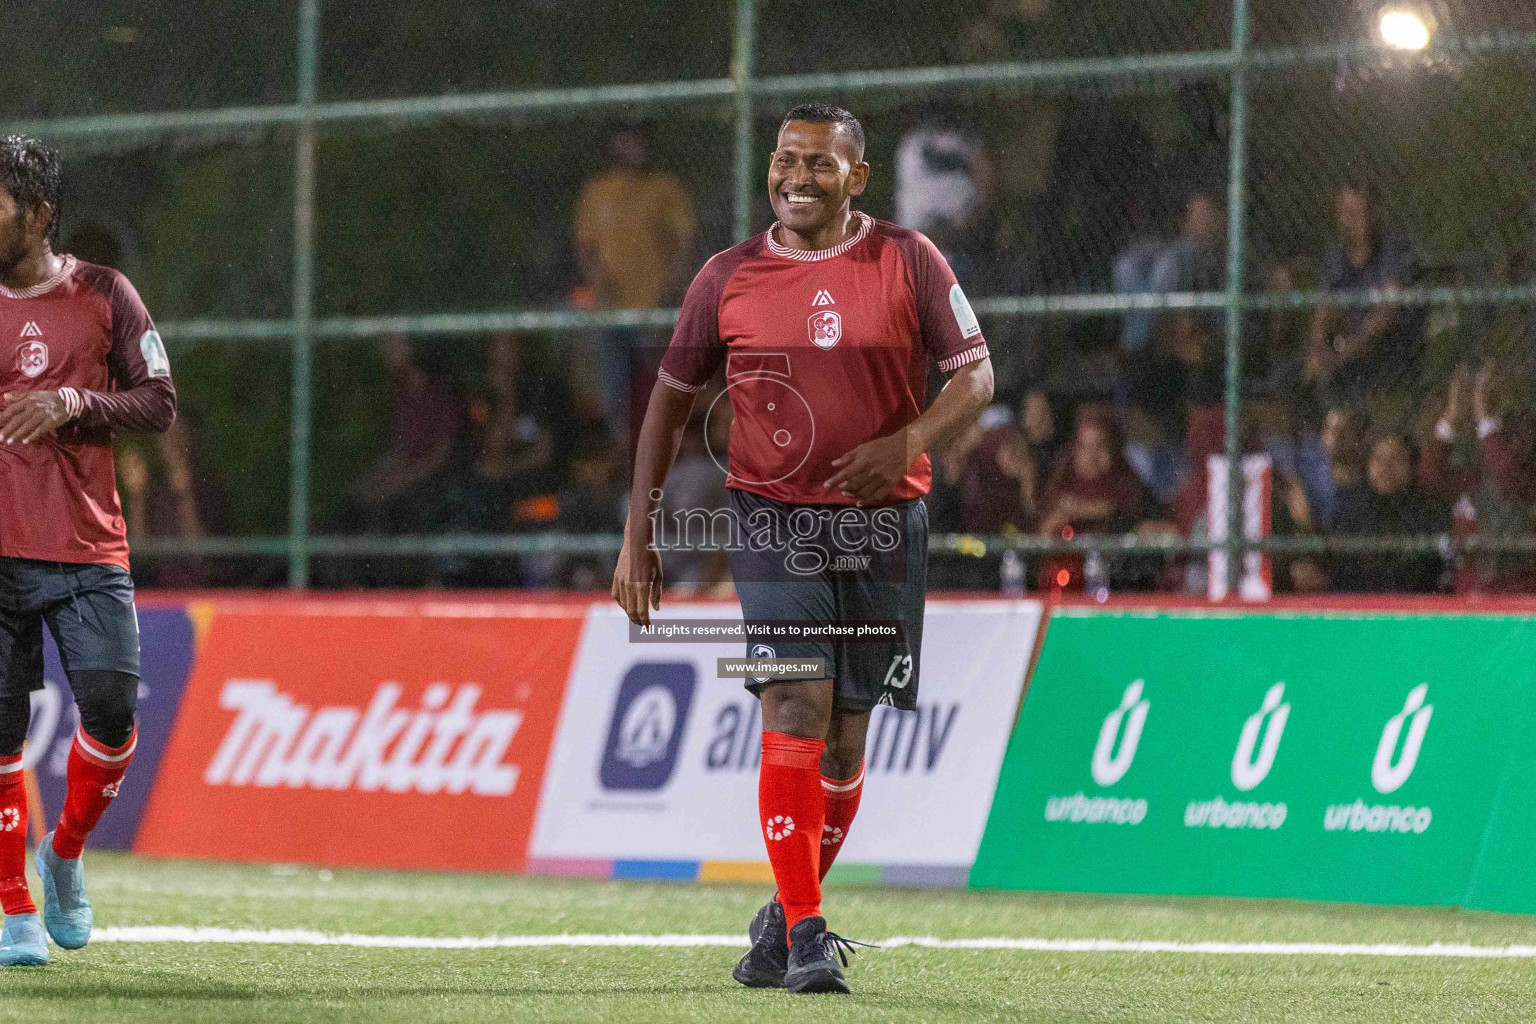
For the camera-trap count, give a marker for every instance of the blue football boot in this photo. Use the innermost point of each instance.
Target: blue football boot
(66, 911)
(22, 942)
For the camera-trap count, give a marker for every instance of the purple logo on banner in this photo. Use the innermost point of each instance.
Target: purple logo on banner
(165, 636)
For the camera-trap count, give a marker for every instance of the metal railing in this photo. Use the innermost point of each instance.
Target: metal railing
(308, 116)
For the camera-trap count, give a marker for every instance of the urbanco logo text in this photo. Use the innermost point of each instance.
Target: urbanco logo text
(1397, 755)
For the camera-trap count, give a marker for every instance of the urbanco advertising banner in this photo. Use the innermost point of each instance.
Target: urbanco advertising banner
(1341, 757)
(365, 735)
(165, 659)
(657, 758)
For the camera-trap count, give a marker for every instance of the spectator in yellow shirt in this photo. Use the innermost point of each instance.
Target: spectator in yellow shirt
(635, 230)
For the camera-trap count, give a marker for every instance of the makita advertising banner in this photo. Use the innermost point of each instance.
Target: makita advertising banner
(656, 758)
(360, 734)
(1366, 757)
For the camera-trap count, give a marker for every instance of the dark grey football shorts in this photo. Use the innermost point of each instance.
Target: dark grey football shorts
(810, 565)
(88, 609)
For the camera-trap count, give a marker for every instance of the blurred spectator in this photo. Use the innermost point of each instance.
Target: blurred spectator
(1355, 352)
(515, 470)
(695, 491)
(1003, 32)
(1181, 367)
(635, 231)
(1483, 470)
(1132, 275)
(1191, 341)
(1389, 504)
(1343, 441)
(943, 186)
(594, 501)
(997, 479)
(1041, 435)
(512, 442)
(1286, 411)
(164, 496)
(403, 491)
(1091, 491)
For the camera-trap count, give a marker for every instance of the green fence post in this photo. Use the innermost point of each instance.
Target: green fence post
(301, 423)
(743, 66)
(1237, 212)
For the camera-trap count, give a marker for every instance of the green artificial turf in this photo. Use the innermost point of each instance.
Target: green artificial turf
(175, 982)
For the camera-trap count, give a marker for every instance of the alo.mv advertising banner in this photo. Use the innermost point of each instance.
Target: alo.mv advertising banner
(166, 637)
(1345, 757)
(656, 758)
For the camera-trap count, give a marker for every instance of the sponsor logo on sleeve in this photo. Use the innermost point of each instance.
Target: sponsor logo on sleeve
(965, 317)
(153, 351)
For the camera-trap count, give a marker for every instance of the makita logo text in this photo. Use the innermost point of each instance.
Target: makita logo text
(443, 746)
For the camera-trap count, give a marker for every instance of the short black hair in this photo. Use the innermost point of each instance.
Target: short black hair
(826, 113)
(33, 174)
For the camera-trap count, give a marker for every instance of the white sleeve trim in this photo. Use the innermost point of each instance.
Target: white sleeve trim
(970, 355)
(1487, 425)
(1445, 432)
(74, 403)
(672, 382)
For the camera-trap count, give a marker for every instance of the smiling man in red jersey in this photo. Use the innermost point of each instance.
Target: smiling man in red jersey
(79, 359)
(826, 325)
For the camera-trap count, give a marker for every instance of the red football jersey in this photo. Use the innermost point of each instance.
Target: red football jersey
(823, 351)
(86, 334)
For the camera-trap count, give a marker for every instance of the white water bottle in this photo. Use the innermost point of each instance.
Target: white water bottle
(1096, 576)
(1013, 574)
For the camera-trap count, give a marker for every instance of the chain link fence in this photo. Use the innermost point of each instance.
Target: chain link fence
(1193, 228)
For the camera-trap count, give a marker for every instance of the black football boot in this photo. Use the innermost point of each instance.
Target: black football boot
(764, 964)
(814, 953)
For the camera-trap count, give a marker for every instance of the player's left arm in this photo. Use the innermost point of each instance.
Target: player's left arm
(952, 336)
(142, 398)
(873, 469)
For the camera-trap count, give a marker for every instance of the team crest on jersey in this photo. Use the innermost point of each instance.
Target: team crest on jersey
(826, 329)
(32, 358)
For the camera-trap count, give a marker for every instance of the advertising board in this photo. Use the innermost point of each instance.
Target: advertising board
(1341, 757)
(656, 758)
(346, 737)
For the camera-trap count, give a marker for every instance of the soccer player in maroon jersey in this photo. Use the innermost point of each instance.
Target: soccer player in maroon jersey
(825, 325)
(79, 358)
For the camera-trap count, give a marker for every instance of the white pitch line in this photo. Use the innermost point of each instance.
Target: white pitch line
(300, 937)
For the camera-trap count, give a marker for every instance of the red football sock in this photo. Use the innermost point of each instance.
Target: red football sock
(841, 797)
(14, 897)
(93, 775)
(791, 808)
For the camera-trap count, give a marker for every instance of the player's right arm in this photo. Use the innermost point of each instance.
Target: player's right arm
(637, 579)
(693, 357)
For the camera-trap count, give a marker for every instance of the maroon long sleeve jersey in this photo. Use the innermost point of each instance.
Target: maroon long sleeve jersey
(86, 334)
(823, 351)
